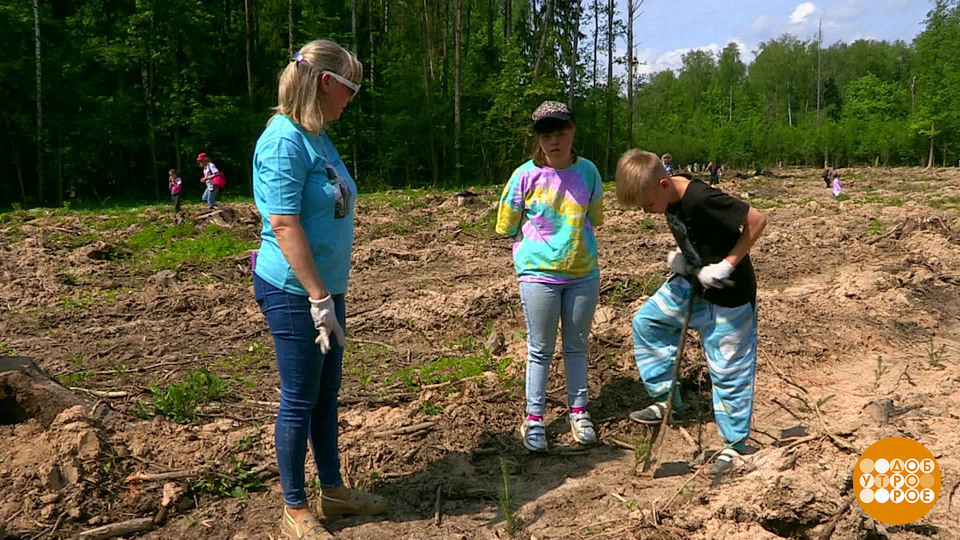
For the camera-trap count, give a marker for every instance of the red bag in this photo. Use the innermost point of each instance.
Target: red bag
(219, 180)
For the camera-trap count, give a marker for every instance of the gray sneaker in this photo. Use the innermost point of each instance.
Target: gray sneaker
(654, 414)
(582, 428)
(534, 435)
(725, 460)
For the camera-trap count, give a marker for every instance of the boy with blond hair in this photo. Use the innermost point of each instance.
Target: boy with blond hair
(712, 269)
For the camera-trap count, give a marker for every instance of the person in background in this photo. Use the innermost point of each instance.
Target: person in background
(714, 173)
(209, 171)
(176, 183)
(837, 186)
(825, 175)
(667, 161)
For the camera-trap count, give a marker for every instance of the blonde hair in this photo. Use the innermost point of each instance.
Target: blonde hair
(637, 173)
(300, 95)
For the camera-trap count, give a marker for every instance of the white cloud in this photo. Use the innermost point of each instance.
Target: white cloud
(801, 13)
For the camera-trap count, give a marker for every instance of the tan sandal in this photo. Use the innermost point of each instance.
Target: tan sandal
(308, 528)
(357, 503)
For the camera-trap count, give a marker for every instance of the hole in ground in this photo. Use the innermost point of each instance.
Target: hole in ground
(11, 412)
(785, 527)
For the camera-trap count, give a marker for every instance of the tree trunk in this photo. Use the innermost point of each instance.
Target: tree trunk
(507, 17)
(630, 11)
(59, 167)
(290, 25)
(148, 107)
(26, 392)
(930, 159)
(356, 117)
(466, 28)
(36, 35)
(426, 90)
(248, 17)
(174, 45)
(457, 36)
(596, 36)
(490, 17)
(606, 151)
(545, 29)
(573, 53)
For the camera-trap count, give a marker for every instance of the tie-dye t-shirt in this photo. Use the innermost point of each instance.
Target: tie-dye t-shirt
(551, 213)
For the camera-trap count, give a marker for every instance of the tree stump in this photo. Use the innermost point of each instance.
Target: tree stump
(26, 392)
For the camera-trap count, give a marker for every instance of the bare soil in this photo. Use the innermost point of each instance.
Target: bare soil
(859, 304)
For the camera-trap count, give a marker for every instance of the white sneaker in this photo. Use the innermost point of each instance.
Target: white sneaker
(534, 435)
(582, 427)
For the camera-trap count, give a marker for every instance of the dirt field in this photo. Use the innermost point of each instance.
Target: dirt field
(859, 304)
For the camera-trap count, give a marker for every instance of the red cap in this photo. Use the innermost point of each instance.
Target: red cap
(202, 156)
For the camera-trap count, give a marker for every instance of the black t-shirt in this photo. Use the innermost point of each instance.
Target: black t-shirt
(706, 224)
(712, 169)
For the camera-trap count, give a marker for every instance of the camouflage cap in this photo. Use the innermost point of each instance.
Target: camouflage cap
(552, 109)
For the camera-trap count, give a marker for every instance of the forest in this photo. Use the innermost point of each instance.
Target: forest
(99, 98)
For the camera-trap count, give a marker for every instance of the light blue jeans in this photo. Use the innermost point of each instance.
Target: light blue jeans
(209, 194)
(544, 304)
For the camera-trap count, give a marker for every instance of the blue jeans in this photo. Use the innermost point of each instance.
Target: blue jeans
(309, 383)
(729, 338)
(544, 304)
(209, 195)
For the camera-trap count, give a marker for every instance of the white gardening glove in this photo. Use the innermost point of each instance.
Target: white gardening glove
(678, 263)
(717, 275)
(325, 321)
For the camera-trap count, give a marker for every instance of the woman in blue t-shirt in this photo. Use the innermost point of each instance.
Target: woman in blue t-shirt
(305, 196)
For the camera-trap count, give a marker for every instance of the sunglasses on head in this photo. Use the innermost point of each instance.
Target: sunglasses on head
(354, 87)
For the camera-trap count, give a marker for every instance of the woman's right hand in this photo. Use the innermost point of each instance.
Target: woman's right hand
(325, 321)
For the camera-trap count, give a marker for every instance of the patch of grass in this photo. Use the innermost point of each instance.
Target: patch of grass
(875, 227)
(86, 298)
(430, 408)
(935, 355)
(443, 370)
(253, 358)
(67, 279)
(179, 401)
(641, 453)
(237, 483)
(156, 235)
(843, 197)
(7, 350)
(646, 224)
(78, 376)
(214, 244)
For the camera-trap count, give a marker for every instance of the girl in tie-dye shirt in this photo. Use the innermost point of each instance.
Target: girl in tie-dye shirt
(550, 206)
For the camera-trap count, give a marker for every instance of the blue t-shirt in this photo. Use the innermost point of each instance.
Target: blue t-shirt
(290, 176)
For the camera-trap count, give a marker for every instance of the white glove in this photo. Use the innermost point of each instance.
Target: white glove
(325, 321)
(678, 263)
(715, 276)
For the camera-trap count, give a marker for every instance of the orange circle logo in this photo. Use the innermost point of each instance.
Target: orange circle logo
(897, 480)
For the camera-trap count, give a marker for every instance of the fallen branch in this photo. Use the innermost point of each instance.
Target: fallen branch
(784, 407)
(781, 374)
(686, 435)
(840, 444)
(621, 444)
(409, 430)
(121, 528)
(150, 477)
(101, 393)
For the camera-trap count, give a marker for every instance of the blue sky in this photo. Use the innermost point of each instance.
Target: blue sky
(669, 28)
